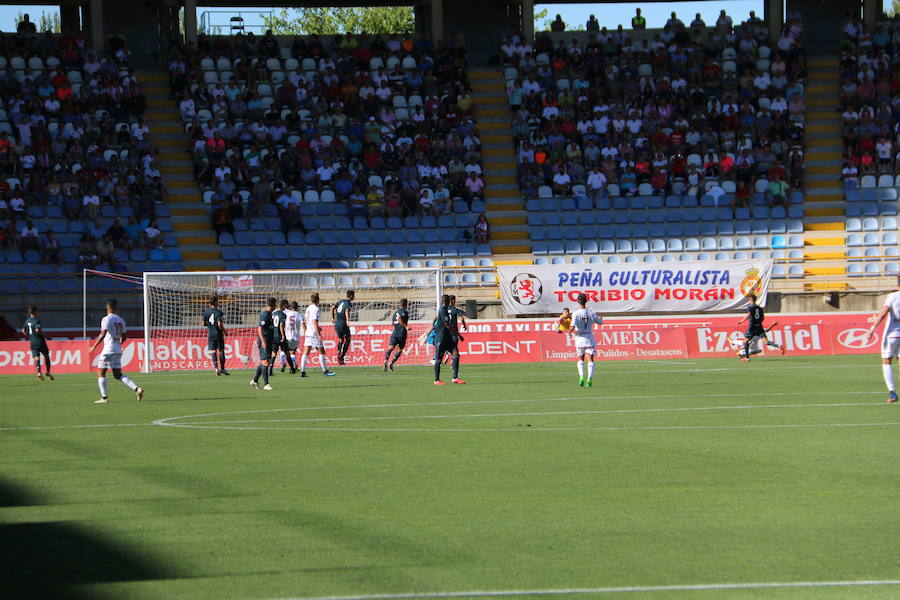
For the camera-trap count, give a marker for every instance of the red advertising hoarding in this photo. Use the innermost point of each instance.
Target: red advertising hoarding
(501, 341)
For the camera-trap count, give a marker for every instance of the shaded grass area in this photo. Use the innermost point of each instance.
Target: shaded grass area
(664, 473)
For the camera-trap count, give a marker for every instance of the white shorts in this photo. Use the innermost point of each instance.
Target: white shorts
(889, 347)
(584, 344)
(110, 361)
(313, 342)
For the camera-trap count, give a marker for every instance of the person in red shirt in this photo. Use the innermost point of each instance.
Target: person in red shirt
(372, 158)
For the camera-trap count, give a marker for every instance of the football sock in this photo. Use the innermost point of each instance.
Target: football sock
(580, 365)
(772, 345)
(590, 370)
(322, 363)
(215, 360)
(747, 348)
(47, 363)
(284, 358)
(456, 367)
(287, 358)
(888, 372)
(127, 381)
(259, 370)
(37, 364)
(222, 359)
(265, 375)
(387, 355)
(303, 362)
(437, 370)
(397, 356)
(101, 383)
(346, 347)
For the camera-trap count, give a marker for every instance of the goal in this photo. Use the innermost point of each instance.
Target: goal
(174, 303)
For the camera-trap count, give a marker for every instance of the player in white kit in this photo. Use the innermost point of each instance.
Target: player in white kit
(291, 332)
(890, 341)
(313, 337)
(583, 327)
(112, 334)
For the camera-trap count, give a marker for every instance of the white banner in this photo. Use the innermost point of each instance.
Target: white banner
(634, 287)
(227, 284)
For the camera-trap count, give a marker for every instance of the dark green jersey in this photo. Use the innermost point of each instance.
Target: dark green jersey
(278, 319)
(443, 332)
(756, 315)
(212, 318)
(342, 311)
(32, 329)
(400, 318)
(265, 322)
(454, 320)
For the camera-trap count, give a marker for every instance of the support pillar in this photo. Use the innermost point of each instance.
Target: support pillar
(437, 21)
(190, 22)
(96, 7)
(69, 21)
(871, 12)
(774, 15)
(528, 20)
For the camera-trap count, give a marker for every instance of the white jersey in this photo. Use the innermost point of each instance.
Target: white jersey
(114, 326)
(291, 325)
(583, 321)
(892, 324)
(310, 319)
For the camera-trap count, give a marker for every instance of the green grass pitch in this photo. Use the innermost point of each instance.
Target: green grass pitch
(663, 474)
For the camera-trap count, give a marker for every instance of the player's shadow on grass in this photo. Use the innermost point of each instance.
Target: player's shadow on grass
(49, 560)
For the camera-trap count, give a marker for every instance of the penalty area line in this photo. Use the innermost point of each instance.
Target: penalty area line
(609, 590)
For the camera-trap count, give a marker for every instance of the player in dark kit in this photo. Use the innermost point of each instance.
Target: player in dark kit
(446, 338)
(400, 320)
(279, 337)
(215, 335)
(264, 336)
(32, 330)
(755, 329)
(340, 315)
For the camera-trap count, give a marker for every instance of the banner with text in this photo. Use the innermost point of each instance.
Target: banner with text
(633, 287)
(502, 341)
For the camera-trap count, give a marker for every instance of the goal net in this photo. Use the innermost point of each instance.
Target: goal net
(174, 304)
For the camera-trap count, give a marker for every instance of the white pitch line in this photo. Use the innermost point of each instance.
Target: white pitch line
(557, 429)
(548, 413)
(167, 422)
(95, 426)
(609, 590)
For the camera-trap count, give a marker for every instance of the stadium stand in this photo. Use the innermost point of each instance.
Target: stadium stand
(328, 151)
(870, 160)
(681, 146)
(79, 180)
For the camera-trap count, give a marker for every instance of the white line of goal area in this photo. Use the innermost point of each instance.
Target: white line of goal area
(609, 590)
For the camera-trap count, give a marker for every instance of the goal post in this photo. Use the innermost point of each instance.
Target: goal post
(174, 302)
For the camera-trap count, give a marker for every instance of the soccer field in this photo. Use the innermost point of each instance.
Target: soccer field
(663, 478)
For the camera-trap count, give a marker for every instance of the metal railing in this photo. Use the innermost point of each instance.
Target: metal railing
(228, 22)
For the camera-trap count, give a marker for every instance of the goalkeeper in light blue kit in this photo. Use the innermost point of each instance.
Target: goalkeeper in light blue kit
(583, 327)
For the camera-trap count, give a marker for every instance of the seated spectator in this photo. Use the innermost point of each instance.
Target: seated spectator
(562, 182)
(442, 201)
(482, 230)
(50, 250)
(741, 196)
(222, 221)
(9, 238)
(28, 237)
(91, 204)
(357, 204)
(119, 235)
(777, 191)
(473, 188)
(426, 203)
(105, 251)
(153, 237)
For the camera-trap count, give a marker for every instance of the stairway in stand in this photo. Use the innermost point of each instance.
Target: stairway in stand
(825, 249)
(503, 198)
(190, 216)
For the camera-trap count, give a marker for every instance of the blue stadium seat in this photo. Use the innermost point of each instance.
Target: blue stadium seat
(656, 245)
(640, 246)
